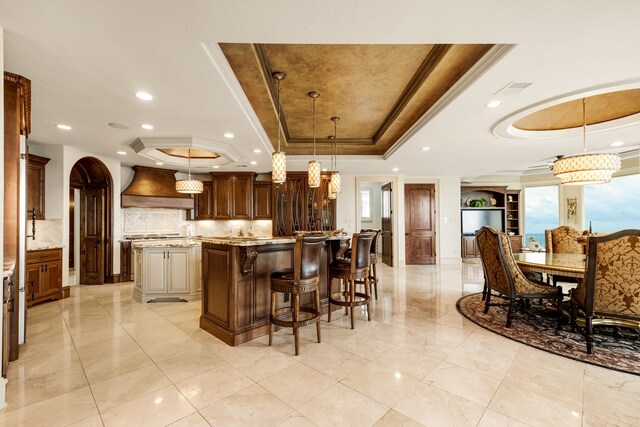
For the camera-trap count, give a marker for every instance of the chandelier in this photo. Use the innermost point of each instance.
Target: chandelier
(335, 185)
(189, 186)
(586, 168)
(279, 158)
(314, 165)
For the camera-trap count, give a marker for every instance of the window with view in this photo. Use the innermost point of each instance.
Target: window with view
(614, 206)
(365, 204)
(540, 211)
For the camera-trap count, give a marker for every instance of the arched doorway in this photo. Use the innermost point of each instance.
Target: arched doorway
(92, 189)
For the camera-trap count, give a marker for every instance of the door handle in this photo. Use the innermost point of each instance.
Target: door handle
(98, 241)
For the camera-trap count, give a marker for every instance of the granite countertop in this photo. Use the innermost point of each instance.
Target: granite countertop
(165, 243)
(42, 248)
(259, 241)
(7, 269)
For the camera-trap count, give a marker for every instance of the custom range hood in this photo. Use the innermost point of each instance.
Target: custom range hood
(154, 188)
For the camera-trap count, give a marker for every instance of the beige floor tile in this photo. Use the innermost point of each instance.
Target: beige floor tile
(159, 408)
(193, 420)
(113, 365)
(94, 421)
(170, 348)
(62, 410)
(252, 406)
(434, 407)
(462, 382)
(213, 385)
(407, 362)
(534, 409)
(24, 393)
(428, 345)
(619, 381)
(294, 419)
(196, 361)
(396, 419)
(611, 404)
(258, 362)
(129, 386)
(343, 406)
(332, 361)
(363, 345)
(486, 361)
(154, 334)
(297, 384)
(39, 364)
(380, 383)
(494, 419)
(592, 420)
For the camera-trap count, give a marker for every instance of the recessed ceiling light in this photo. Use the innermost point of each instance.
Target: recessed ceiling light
(395, 169)
(229, 135)
(254, 163)
(122, 153)
(146, 126)
(257, 150)
(617, 143)
(426, 148)
(145, 96)
(493, 104)
(324, 169)
(159, 163)
(63, 127)
(215, 166)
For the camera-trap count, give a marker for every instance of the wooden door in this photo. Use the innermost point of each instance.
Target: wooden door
(420, 231)
(92, 236)
(387, 226)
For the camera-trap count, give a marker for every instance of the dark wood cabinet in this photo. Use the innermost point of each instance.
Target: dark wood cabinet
(300, 208)
(35, 185)
(513, 212)
(469, 247)
(262, 200)
(44, 275)
(203, 204)
(126, 270)
(232, 195)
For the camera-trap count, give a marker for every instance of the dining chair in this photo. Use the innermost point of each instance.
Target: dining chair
(563, 240)
(503, 276)
(610, 294)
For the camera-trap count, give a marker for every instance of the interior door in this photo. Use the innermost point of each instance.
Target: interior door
(420, 232)
(92, 202)
(387, 224)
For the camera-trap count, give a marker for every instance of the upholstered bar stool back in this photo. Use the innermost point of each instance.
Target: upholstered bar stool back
(303, 278)
(373, 258)
(348, 271)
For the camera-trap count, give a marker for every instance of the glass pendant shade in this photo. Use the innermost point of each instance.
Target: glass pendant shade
(278, 167)
(335, 185)
(189, 186)
(314, 174)
(333, 196)
(586, 168)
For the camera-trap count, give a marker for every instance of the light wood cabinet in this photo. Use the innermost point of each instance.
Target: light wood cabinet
(35, 185)
(232, 195)
(44, 275)
(166, 273)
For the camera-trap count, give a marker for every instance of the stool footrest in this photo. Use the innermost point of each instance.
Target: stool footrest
(284, 317)
(343, 299)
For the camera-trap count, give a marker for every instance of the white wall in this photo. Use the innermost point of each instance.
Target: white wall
(58, 172)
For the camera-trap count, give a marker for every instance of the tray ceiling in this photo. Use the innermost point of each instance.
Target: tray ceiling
(378, 91)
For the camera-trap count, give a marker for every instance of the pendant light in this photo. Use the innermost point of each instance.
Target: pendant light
(314, 165)
(335, 186)
(586, 168)
(279, 158)
(189, 186)
(332, 194)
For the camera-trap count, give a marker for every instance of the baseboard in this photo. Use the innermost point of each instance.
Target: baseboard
(66, 292)
(114, 278)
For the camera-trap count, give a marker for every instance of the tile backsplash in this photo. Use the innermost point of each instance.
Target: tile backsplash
(48, 235)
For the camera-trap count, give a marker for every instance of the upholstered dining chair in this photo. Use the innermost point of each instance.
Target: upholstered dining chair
(610, 294)
(563, 240)
(502, 275)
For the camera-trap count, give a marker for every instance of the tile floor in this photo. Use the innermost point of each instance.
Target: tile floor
(99, 358)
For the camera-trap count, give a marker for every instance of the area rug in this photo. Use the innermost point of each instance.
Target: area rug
(610, 351)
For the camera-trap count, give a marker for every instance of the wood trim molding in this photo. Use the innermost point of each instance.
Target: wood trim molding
(25, 88)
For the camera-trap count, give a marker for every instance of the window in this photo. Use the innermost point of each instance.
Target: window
(365, 204)
(613, 206)
(540, 212)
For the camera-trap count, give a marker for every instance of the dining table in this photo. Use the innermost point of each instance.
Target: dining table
(568, 265)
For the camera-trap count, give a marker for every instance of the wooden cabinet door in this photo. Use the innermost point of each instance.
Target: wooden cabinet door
(35, 185)
(262, 200)
(280, 211)
(32, 282)
(420, 231)
(154, 275)
(203, 204)
(222, 194)
(297, 198)
(51, 278)
(177, 264)
(242, 196)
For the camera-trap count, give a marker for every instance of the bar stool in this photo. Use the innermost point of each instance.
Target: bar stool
(373, 258)
(303, 278)
(349, 271)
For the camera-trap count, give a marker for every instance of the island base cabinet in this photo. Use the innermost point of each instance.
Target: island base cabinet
(166, 274)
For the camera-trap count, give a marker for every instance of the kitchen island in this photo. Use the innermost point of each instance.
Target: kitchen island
(236, 282)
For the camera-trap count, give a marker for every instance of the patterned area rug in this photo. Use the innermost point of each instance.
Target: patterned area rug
(621, 353)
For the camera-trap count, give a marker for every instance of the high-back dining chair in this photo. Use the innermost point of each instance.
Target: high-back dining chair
(563, 240)
(611, 292)
(503, 276)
